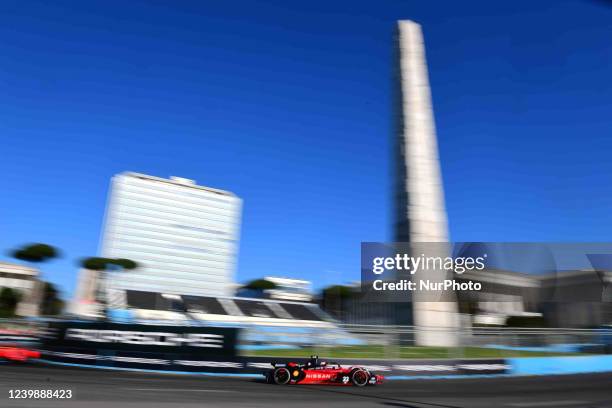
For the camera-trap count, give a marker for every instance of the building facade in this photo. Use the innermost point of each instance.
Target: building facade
(24, 280)
(297, 290)
(184, 237)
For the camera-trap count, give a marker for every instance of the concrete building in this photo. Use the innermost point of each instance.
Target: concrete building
(420, 214)
(85, 300)
(580, 299)
(297, 290)
(183, 236)
(504, 294)
(289, 289)
(24, 280)
(569, 299)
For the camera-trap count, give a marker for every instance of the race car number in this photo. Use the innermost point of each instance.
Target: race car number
(345, 379)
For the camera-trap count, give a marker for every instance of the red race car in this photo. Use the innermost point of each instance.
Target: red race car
(315, 371)
(17, 354)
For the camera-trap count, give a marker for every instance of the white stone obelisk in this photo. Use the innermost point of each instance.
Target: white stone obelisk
(419, 196)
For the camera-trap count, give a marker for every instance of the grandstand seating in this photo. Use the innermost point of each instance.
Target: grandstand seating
(265, 323)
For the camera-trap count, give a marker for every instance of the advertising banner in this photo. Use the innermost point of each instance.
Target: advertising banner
(154, 347)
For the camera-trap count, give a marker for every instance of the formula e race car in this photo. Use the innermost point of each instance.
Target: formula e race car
(315, 371)
(17, 354)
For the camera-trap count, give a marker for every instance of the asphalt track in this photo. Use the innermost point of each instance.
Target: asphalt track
(102, 388)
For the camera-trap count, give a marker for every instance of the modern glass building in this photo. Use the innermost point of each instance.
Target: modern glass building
(183, 236)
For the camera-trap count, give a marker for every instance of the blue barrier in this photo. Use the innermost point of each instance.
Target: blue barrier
(121, 315)
(553, 348)
(560, 365)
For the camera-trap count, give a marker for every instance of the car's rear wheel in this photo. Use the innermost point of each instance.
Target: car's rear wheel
(281, 376)
(359, 377)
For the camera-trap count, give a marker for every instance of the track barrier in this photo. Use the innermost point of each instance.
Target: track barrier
(213, 350)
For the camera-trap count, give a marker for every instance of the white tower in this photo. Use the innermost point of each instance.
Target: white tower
(419, 196)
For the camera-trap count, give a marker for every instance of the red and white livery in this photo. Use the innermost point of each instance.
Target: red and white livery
(315, 371)
(17, 354)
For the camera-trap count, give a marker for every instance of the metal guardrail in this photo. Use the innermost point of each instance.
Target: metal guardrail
(390, 342)
(398, 340)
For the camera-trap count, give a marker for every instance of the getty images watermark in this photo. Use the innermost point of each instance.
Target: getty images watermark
(431, 264)
(477, 272)
(424, 267)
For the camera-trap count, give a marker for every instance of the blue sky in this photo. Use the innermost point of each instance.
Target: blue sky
(288, 104)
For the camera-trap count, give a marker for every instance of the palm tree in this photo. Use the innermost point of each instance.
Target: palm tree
(51, 304)
(333, 299)
(9, 299)
(38, 253)
(102, 266)
(260, 284)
